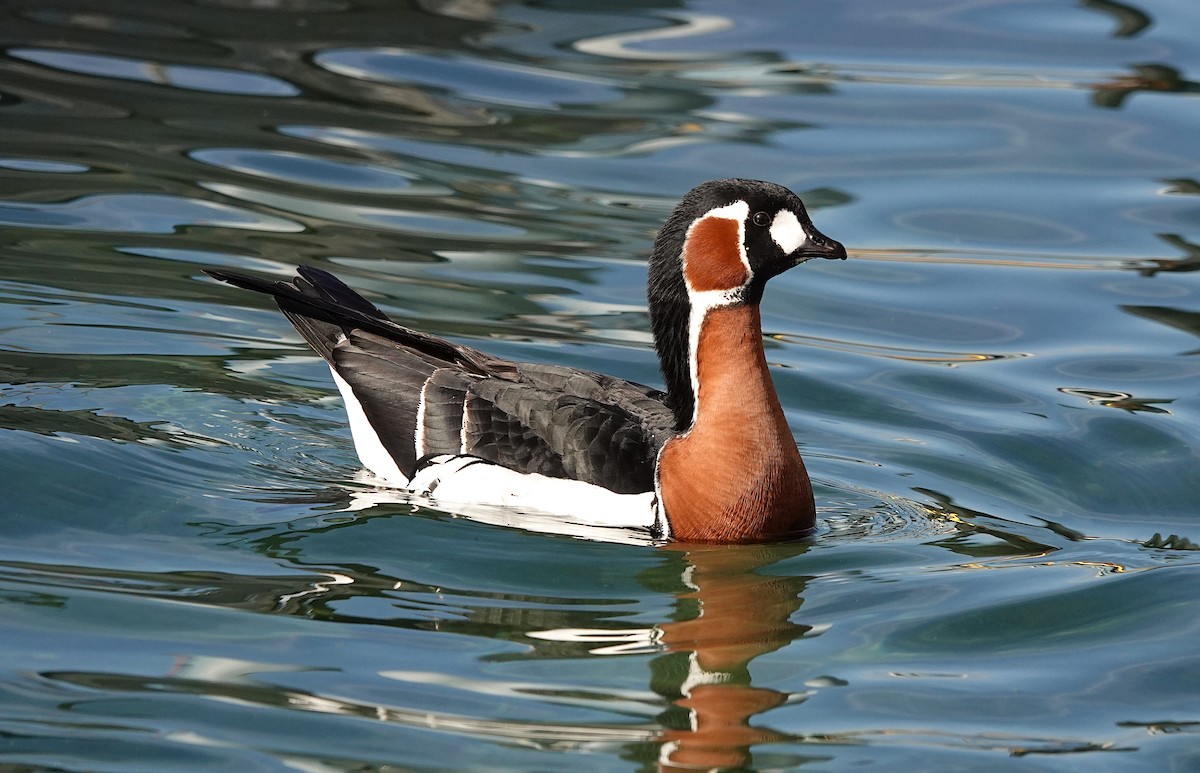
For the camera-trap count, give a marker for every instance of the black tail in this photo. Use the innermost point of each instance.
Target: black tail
(323, 309)
(315, 293)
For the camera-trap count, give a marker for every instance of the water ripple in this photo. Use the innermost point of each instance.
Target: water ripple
(852, 516)
(685, 25)
(313, 171)
(996, 396)
(389, 218)
(216, 80)
(479, 79)
(42, 166)
(137, 213)
(97, 21)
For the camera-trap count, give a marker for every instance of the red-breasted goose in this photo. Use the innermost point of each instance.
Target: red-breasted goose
(710, 460)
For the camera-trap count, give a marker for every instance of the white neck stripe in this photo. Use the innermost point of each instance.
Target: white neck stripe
(704, 301)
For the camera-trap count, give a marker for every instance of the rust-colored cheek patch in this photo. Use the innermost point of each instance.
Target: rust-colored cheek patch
(712, 256)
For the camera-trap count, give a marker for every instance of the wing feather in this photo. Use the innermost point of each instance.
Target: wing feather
(424, 395)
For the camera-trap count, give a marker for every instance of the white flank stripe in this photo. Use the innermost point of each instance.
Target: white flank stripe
(366, 441)
(566, 503)
(787, 231)
(660, 512)
(462, 433)
(419, 433)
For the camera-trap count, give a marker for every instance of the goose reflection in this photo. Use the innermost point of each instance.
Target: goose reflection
(730, 615)
(547, 684)
(726, 607)
(726, 614)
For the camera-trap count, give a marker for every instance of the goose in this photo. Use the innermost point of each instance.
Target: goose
(710, 459)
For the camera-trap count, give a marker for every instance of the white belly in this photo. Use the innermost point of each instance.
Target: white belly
(486, 492)
(468, 480)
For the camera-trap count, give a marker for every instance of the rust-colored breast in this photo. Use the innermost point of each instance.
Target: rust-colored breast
(712, 255)
(736, 475)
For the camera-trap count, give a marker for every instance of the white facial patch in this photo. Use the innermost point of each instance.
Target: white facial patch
(787, 231)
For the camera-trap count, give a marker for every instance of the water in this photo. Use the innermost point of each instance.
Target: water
(997, 395)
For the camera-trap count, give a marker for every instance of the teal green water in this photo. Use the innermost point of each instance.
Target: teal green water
(998, 396)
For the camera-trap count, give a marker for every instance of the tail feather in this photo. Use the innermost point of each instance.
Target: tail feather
(387, 381)
(319, 283)
(316, 296)
(322, 336)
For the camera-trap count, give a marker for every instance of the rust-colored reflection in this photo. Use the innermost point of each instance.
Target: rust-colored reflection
(730, 614)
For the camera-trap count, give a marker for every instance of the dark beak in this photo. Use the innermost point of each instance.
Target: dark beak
(820, 246)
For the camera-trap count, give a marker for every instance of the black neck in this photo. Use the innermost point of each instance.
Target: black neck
(670, 313)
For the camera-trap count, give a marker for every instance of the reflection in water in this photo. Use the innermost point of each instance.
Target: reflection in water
(624, 45)
(1145, 77)
(1131, 20)
(494, 168)
(1004, 538)
(1125, 401)
(208, 79)
(1180, 319)
(1170, 542)
(730, 615)
(1190, 249)
(137, 213)
(726, 615)
(699, 711)
(83, 423)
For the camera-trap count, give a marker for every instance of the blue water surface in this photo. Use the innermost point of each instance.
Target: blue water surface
(998, 395)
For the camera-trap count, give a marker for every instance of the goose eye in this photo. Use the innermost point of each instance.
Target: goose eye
(761, 219)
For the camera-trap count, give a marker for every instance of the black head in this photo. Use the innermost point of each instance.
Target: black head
(720, 245)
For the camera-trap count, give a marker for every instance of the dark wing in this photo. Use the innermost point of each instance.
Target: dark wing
(424, 395)
(570, 424)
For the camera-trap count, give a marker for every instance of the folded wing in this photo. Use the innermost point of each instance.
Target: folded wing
(424, 395)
